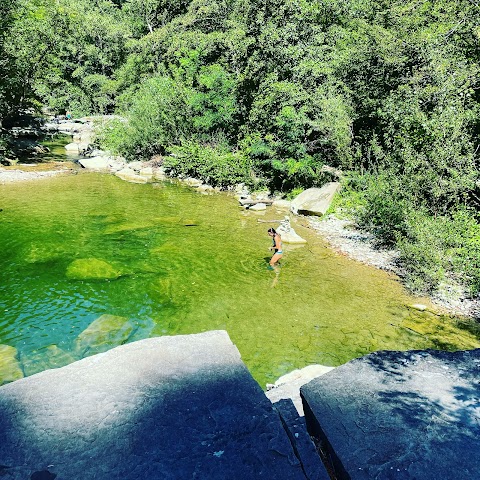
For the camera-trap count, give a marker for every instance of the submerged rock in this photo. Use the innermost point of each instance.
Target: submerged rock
(91, 269)
(42, 253)
(102, 334)
(10, 369)
(45, 359)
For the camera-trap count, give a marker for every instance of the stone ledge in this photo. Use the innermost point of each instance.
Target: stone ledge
(399, 415)
(163, 408)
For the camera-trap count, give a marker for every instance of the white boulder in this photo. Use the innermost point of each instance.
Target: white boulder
(315, 201)
(288, 234)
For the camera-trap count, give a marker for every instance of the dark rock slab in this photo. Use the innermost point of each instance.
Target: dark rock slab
(399, 415)
(165, 408)
(302, 443)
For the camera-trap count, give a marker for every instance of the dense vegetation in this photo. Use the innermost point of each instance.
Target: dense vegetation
(267, 92)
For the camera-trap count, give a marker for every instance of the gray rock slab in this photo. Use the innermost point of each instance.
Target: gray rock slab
(315, 201)
(399, 415)
(166, 408)
(304, 447)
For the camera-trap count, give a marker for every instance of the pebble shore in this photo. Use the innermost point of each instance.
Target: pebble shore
(11, 176)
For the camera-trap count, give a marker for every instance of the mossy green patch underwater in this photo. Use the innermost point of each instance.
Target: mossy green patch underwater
(168, 260)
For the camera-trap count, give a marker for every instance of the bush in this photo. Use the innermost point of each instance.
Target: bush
(216, 165)
(158, 116)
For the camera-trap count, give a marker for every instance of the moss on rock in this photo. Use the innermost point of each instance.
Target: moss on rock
(92, 269)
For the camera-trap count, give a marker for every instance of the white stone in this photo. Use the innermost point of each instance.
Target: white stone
(258, 207)
(137, 166)
(192, 182)
(72, 147)
(159, 173)
(130, 175)
(288, 234)
(205, 188)
(282, 204)
(96, 163)
(419, 306)
(288, 386)
(264, 195)
(146, 171)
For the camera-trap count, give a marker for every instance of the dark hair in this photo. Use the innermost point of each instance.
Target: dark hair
(272, 230)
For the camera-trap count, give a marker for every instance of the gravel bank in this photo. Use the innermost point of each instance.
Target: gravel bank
(11, 176)
(358, 245)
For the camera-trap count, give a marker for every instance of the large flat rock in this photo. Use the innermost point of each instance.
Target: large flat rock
(164, 408)
(315, 201)
(399, 415)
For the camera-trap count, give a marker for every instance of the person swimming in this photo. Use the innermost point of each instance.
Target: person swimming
(277, 246)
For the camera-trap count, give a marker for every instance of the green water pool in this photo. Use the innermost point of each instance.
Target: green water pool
(161, 259)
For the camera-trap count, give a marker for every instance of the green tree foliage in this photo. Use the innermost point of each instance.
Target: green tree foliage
(387, 91)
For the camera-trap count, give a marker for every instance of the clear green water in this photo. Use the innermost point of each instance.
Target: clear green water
(190, 263)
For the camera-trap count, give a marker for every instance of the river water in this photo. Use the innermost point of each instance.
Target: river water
(169, 261)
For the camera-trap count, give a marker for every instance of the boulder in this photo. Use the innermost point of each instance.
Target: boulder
(258, 207)
(205, 188)
(129, 175)
(175, 408)
(10, 369)
(72, 147)
(99, 164)
(399, 415)
(91, 269)
(282, 204)
(192, 182)
(146, 172)
(315, 201)
(102, 334)
(159, 173)
(137, 166)
(288, 234)
(45, 359)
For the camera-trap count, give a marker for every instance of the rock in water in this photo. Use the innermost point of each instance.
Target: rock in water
(9, 366)
(288, 234)
(102, 334)
(130, 175)
(91, 269)
(45, 359)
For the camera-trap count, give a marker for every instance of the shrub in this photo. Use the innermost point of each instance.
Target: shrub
(216, 164)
